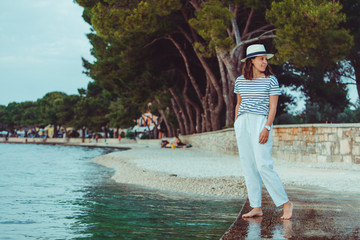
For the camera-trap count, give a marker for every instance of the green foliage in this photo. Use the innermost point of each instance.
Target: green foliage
(352, 8)
(308, 32)
(17, 115)
(145, 136)
(121, 113)
(212, 22)
(65, 111)
(130, 134)
(91, 110)
(139, 17)
(49, 106)
(287, 118)
(74, 134)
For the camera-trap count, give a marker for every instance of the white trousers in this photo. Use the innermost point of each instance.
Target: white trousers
(256, 160)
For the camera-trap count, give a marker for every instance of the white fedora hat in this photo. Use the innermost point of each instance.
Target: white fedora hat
(256, 50)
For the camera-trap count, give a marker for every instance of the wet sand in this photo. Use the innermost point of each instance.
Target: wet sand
(202, 172)
(188, 171)
(318, 214)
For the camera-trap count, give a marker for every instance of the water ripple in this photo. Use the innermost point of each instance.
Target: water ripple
(57, 192)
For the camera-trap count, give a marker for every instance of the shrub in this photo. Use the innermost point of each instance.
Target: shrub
(130, 134)
(74, 134)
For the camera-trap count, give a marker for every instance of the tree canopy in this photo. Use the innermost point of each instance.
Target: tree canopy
(182, 58)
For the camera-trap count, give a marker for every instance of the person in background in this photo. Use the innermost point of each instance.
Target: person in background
(257, 96)
(177, 142)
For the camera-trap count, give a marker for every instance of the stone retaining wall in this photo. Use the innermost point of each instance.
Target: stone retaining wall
(303, 142)
(317, 142)
(222, 141)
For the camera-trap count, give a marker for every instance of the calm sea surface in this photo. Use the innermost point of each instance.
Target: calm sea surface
(57, 192)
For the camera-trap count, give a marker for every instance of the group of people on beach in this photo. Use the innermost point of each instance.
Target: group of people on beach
(175, 143)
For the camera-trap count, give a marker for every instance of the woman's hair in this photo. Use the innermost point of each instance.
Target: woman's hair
(248, 70)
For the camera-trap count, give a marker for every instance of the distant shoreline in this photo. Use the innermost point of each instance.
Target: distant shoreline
(204, 172)
(110, 143)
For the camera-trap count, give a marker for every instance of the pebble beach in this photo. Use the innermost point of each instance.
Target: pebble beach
(206, 173)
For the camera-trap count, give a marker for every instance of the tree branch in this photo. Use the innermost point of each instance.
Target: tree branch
(246, 29)
(234, 24)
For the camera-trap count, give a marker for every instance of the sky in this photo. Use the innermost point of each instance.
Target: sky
(41, 45)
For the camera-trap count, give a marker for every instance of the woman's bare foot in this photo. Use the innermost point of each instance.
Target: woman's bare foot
(288, 209)
(255, 212)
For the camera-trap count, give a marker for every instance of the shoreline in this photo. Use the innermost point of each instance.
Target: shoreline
(206, 173)
(123, 146)
(131, 169)
(200, 172)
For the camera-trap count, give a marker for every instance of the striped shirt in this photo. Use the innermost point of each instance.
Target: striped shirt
(255, 94)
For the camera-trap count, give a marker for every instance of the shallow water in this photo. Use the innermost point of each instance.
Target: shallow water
(57, 192)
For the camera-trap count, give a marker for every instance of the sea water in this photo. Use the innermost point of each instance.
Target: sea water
(57, 192)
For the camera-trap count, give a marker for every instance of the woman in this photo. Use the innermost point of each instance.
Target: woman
(257, 96)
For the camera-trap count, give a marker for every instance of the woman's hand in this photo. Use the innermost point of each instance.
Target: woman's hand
(264, 136)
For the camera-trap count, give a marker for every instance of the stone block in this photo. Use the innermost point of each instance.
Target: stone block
(322, 138)
(357, 139)
(322, 159)
(357, 160)
(345, 146)
(318, 148)
(339, 133)
(329, 130)
(326, 149)
(310, 158)
(336, 158)
(332, 137)
(347, 133)
(287, 137)
(336, 148)
(347, 159)
(355, 149)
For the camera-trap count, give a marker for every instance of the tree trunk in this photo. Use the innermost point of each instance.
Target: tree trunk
(55, 131)
(229, 81)
(83, 134)
(207, 108)
(182, 110)
(169, 129)
(225, 90)
(198, 125)
(178, 116)
(196, 88)
(203, 122)
(188, 103)
(210, 76)
(217, 106)
(106, 132)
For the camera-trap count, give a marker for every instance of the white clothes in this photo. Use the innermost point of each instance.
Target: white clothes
(255, 94)
(256, 160)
